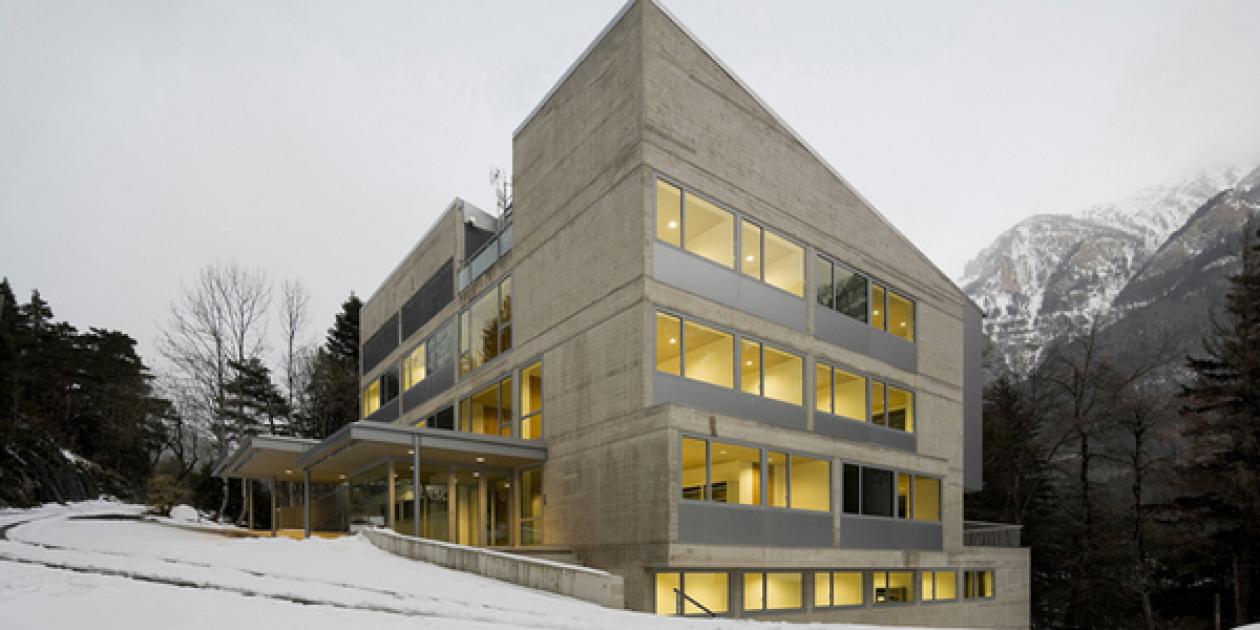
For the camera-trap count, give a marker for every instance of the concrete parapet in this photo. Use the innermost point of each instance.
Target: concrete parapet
(592, 585)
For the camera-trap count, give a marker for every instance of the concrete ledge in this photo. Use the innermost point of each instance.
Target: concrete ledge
(592, 585)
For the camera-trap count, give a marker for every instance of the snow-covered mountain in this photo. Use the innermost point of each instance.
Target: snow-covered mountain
(1052, 272)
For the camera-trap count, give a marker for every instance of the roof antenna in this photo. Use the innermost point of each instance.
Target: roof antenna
(501, 182)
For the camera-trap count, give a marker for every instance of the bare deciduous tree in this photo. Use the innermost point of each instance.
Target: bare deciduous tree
(295, 306)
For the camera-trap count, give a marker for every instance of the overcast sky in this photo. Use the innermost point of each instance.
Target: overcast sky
(140, 141)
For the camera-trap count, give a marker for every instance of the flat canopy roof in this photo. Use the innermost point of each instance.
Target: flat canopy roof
(361, 444)
(264, 457)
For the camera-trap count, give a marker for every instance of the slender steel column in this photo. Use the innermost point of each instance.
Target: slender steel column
(306, 503)
(249, 496)
(275, 512)
(415, 485)
(389, 481)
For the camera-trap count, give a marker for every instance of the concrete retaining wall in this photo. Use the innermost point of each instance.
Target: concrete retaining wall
(584, 583)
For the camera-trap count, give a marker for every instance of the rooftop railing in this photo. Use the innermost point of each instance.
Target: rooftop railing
(984, 534)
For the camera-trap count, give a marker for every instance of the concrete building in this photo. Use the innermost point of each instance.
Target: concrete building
(690, 354)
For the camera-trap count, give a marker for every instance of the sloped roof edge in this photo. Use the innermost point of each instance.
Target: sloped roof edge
(757, 98)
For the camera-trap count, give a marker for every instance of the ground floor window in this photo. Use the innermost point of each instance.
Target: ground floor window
(893, 587)
(838, 588)
(684, 592)
(772, 590)
(531, 506)
(938, 586)
(978, 584)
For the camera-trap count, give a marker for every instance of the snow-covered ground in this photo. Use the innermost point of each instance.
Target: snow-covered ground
(61, 570)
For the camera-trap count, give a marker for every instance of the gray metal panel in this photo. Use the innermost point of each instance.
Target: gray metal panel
(703, 523)
(858, 431)
(380, 344)
(858, 336)
(387, 413)
(720, 284)
(668, 388)
(436, 383)
(429, 300)
(973, 399)
(865, 532)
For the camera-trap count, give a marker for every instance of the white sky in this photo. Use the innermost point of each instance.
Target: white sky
(141, 140)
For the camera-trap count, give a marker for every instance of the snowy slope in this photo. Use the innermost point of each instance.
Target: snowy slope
(1052, 273)
(58, 572)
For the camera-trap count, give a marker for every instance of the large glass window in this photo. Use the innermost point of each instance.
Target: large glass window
(709, 355)
(750, 257)
(877, 492)
(811, 483)
(903, 495)
(414, 368)
(668, 213)
(900, 316)
(785, 264)
(440, 348)
(695, 469)
(709, 231)
(823, 399)
(900, 409)
(668, 344)
(783, 374)
(978, 584)
(489, 411)
(777, 479)
(850, 293)
(877, 404)
(927, 499)
(531, 506)
(879, 314)
(750, 367)
(852, 483)
(938, 586)
(838, 588)
(824, 291)
(710, 589)
(772, 590)
(531, 402)
(850, 395)
(736, 474)
(892, 587)
(485, 329)
(372, 398)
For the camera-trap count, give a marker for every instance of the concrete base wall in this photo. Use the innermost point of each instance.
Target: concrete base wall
(584, 583)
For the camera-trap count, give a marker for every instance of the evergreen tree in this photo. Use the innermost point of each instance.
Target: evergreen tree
(332, 395)
(1220, 471)
(253, 400)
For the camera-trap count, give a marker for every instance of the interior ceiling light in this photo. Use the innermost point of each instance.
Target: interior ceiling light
(481, 460)
(673, 225)
(672, 340)
(288, 472)
(411, 451)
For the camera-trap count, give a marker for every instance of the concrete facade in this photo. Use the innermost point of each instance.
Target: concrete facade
(647, 101)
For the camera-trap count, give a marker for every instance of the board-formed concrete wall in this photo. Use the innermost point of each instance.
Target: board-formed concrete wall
(592, 585)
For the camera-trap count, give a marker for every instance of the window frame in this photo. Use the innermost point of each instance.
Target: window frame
(765, 590)
(914, 587)
(831, 588)
(464, 334)
(521, 416)
(935, 599)
(763, 461)
(682, 586)
(737, 243)
(964, 571)
(871, 281)
(896, 473)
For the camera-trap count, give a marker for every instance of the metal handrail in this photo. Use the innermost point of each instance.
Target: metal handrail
(683, 596)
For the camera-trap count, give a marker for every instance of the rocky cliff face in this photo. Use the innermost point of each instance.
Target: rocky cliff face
(1051, 273)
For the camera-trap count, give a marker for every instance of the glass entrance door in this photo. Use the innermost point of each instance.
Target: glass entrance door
(468, 508)
(498, 509)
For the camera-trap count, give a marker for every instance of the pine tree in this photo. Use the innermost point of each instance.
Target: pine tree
(253, 400)
(332, 394)
(1220, 471)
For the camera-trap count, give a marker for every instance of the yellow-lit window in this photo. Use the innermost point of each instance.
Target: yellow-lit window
(505, 407)
(667, 587)
(900, 316)
(900, 409)
(903, 495)
(710, 231)
(754, 591)
(847, 589)
(735, 474)
(839, 588)
(945, 585)
(777, 479)
(893, 587)
(372, 398)
(711, 590)
(668, 213)
(482, 413)
(465, 344)
(850, 395)
(987, 586)
(811, 484)
(709, 355)
(483, 329)
(878, 314)
(977, 584)
(783, 591)
(822, 388)
(750, 367)
(927, 499)
(783, 374)
(785, 264)
(531, 402)
(694, 468)
(668, 344)
(750, 256)
(877, 404)
(414, 367)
